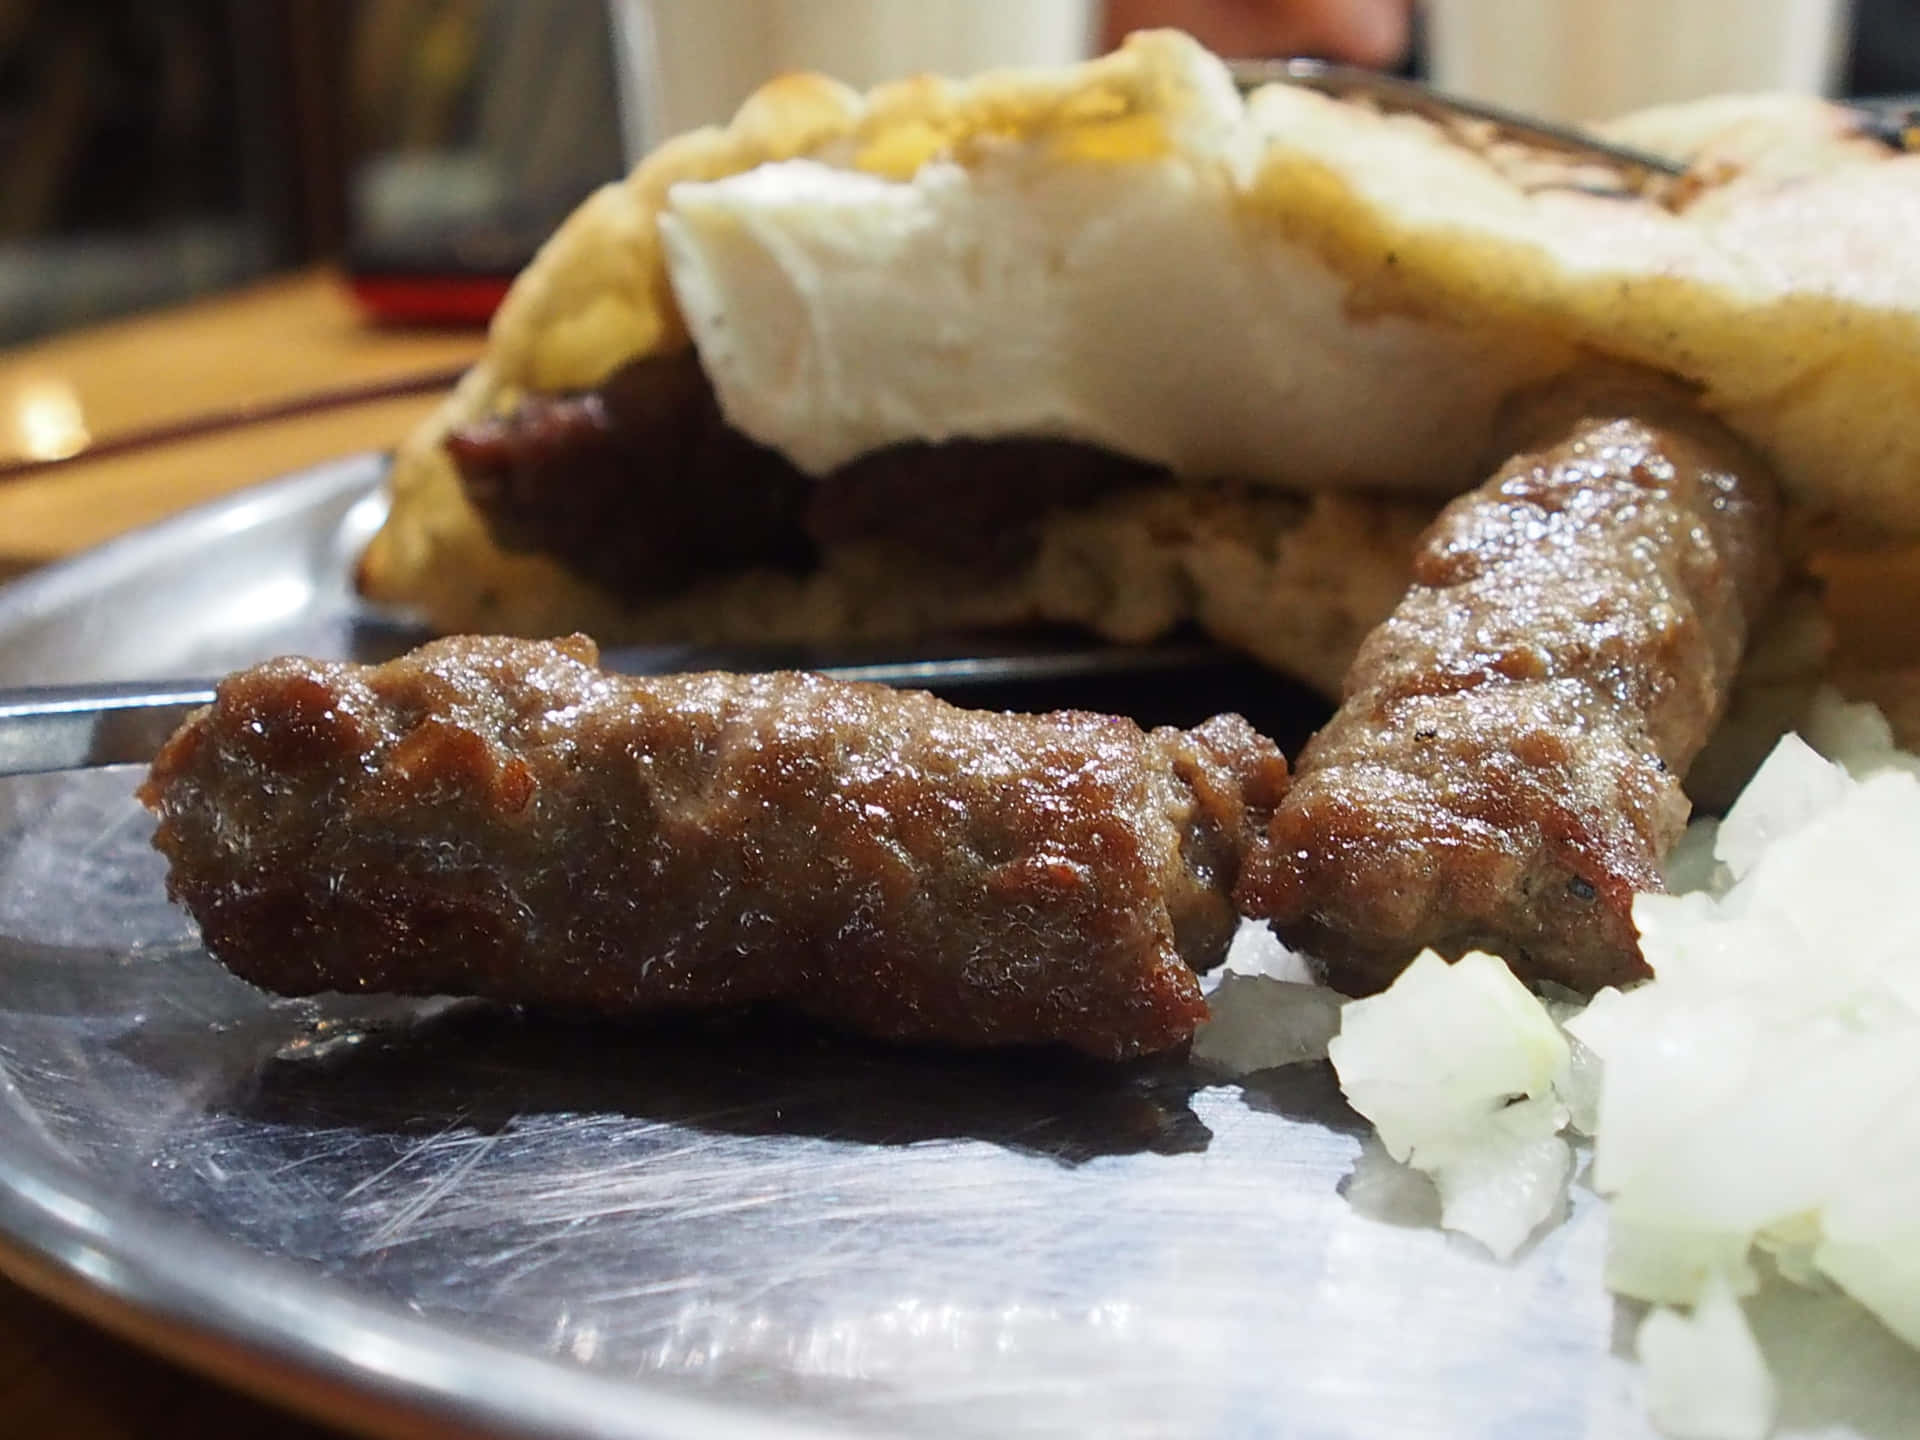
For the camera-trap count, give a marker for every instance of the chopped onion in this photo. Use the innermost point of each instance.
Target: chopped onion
(1705, 1377)
(1580, 1090)
(1791, 1245)
(1788, 790)
(1258, 1023)
(1256, 950)
(1672, 1265)
(1265, 1009)
(1869, 1243)
(1456, 1066)
(1764, 1089)
(1448, 1054)
(1856, 737)
(1501, 1190)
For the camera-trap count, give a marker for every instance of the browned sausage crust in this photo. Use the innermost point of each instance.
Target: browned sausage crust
(501, 818)
(1504, 771)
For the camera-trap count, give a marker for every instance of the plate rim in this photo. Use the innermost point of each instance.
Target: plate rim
(339, 1356)
(66, 580)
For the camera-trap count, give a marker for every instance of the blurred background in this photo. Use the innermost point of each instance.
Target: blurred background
(156, 150)
(151, 150)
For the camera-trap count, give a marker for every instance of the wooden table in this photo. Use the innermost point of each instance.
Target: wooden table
(286, 338)
(282, 339)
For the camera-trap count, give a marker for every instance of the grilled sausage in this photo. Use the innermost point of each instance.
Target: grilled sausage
(501, 818)
(1504, 770)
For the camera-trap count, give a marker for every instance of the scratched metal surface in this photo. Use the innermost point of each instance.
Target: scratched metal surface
(723, 1228)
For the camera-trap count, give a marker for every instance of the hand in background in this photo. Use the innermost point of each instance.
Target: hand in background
(1359, 32)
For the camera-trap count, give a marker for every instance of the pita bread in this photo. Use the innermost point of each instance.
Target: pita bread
(1779, 285)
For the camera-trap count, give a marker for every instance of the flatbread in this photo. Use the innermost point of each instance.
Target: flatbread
(1779, 283)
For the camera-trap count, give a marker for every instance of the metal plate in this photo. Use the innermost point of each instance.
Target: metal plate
(400, 1213)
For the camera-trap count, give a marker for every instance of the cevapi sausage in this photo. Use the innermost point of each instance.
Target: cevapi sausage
(1504, 770)
(501, 818)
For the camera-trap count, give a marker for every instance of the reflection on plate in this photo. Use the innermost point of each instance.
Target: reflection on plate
(739, 1227)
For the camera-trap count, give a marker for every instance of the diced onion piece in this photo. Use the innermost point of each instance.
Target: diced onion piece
(1855, 736)
(1838, 899)
(1705, 1376)
(1257, 1023)
(1792, 1244)
(1457, 1066)
(1500, 1190)
(1669, 1265)
(1880, 1269)
(1438, 1060)
(1667, 1066)
(1256, 950)
(1870, 1229)
(1792, 787)
(1581, 1090)
(1799, 1109)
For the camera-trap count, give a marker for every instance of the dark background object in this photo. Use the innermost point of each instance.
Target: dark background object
(130, 174)
(1885, 55)
(150, 152)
